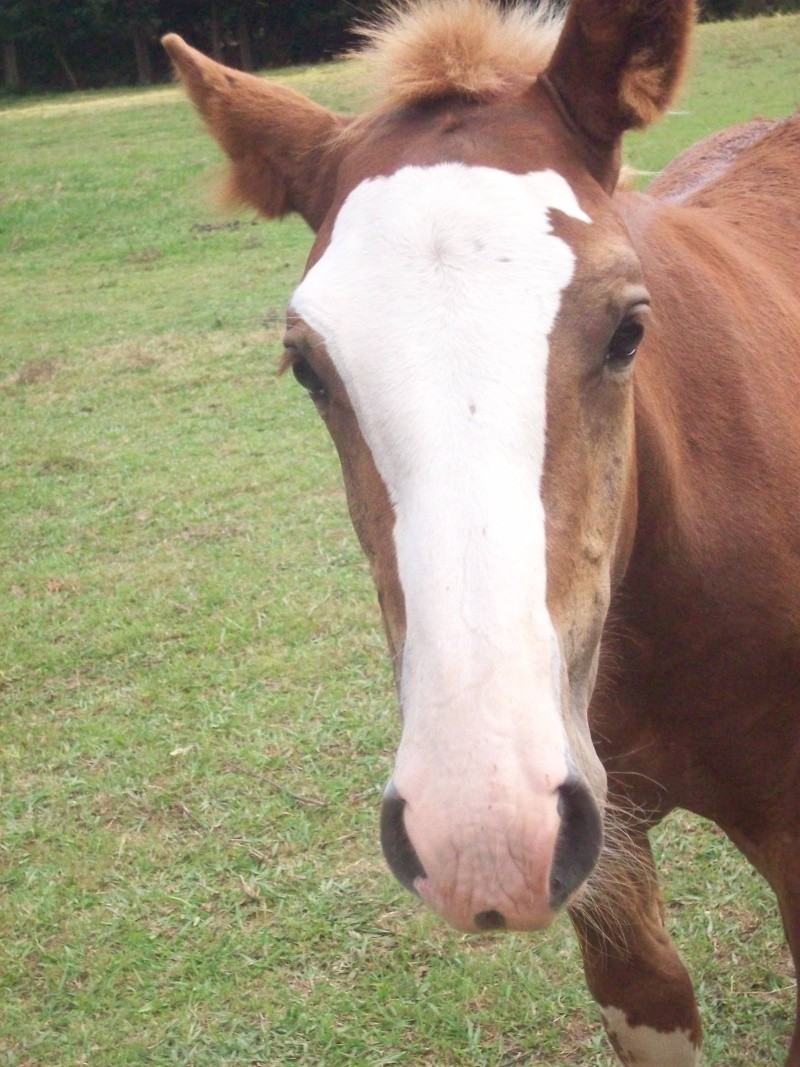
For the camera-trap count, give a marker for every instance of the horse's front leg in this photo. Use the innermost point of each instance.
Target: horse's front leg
(632, 969)
(787, 888)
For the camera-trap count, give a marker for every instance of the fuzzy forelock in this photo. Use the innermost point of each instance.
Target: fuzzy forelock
(425, 49)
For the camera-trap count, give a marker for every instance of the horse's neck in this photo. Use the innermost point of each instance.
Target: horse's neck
(708, 160)
(682, 368)
(717, 401)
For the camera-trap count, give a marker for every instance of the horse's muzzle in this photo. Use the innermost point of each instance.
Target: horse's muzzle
(574, 848)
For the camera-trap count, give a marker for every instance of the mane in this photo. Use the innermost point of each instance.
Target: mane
(423, 50)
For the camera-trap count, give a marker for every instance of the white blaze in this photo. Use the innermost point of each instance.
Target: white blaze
(646, 1047)
(435, 299)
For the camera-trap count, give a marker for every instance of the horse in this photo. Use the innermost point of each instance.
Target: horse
(568, 418)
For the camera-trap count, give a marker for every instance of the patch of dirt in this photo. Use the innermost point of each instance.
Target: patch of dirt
(144, 257)
(231, 225)
(170, 350)
(213, 532)
(37, 370)
(55, 584)
(64, 465)
(579, 1035)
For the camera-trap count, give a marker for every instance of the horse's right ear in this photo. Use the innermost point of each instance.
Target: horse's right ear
(281, 146)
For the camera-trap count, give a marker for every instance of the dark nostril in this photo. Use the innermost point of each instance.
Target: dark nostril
(397, 848)
(490, 920)
(580, 839)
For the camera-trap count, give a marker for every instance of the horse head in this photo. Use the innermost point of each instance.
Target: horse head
(467, 328)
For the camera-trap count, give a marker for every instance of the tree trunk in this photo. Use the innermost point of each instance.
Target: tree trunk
(144, 68)
(11, 78)
(62, 59)
(243, 33)
(216, 34)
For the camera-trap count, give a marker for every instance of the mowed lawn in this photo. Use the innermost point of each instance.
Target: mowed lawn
(196, 717)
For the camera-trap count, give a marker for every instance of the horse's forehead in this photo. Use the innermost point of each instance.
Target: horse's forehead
(435, 299)
(457, 194)
(425, 237)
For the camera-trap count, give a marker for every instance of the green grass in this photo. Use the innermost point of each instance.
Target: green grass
(196, 713)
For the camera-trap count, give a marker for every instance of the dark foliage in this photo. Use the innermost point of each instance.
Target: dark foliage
(715, 10)
(86, 43)
(70, 44)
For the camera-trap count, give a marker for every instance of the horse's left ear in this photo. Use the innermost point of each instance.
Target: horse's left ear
(281, 146)
(618, 64)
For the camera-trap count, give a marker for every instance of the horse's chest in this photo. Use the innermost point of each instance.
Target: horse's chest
(729, 752)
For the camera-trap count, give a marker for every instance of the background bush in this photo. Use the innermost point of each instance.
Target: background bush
(79, 44)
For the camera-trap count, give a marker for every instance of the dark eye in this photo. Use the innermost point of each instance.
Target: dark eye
(622, 346)
(309, 379)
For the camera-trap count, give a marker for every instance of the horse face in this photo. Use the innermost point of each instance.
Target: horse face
(466, 327)
(455, 329)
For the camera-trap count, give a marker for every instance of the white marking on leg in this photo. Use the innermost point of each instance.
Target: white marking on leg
(644, 1046)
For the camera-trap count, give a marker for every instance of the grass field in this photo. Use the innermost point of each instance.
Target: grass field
(196, 716)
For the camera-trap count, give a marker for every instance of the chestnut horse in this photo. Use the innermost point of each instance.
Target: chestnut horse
(568, 417)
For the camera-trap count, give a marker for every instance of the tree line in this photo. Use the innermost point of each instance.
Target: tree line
(75, 44)
(78, 44)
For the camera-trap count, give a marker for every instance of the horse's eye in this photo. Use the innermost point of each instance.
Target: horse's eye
(309, 379)
(622, 346)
